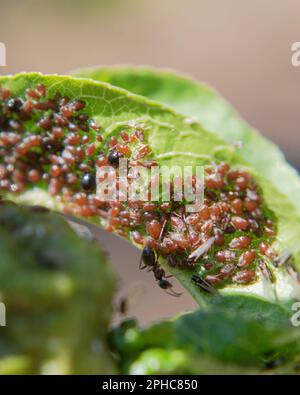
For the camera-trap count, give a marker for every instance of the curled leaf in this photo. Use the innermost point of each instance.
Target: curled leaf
(62, 132)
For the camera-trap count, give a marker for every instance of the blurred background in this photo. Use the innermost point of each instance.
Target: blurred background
(242, 48)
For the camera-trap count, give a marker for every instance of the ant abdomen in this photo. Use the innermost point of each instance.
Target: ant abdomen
(167, 286)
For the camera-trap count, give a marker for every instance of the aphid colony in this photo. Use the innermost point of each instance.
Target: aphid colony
(53, 143)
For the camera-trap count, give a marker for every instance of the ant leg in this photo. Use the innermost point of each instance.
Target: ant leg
(169, 275)
(142, 266)
(171, 292)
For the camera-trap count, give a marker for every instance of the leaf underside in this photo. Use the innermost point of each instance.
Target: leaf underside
(203, 103)
(174, 140)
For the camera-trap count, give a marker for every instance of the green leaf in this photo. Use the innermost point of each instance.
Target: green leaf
(235, 336)
(202, 102)
(253, 308)
(57, 302)
(161, 361)
(173, 140)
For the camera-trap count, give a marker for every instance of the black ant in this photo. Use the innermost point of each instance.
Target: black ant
(149, 260)
(204, 285)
